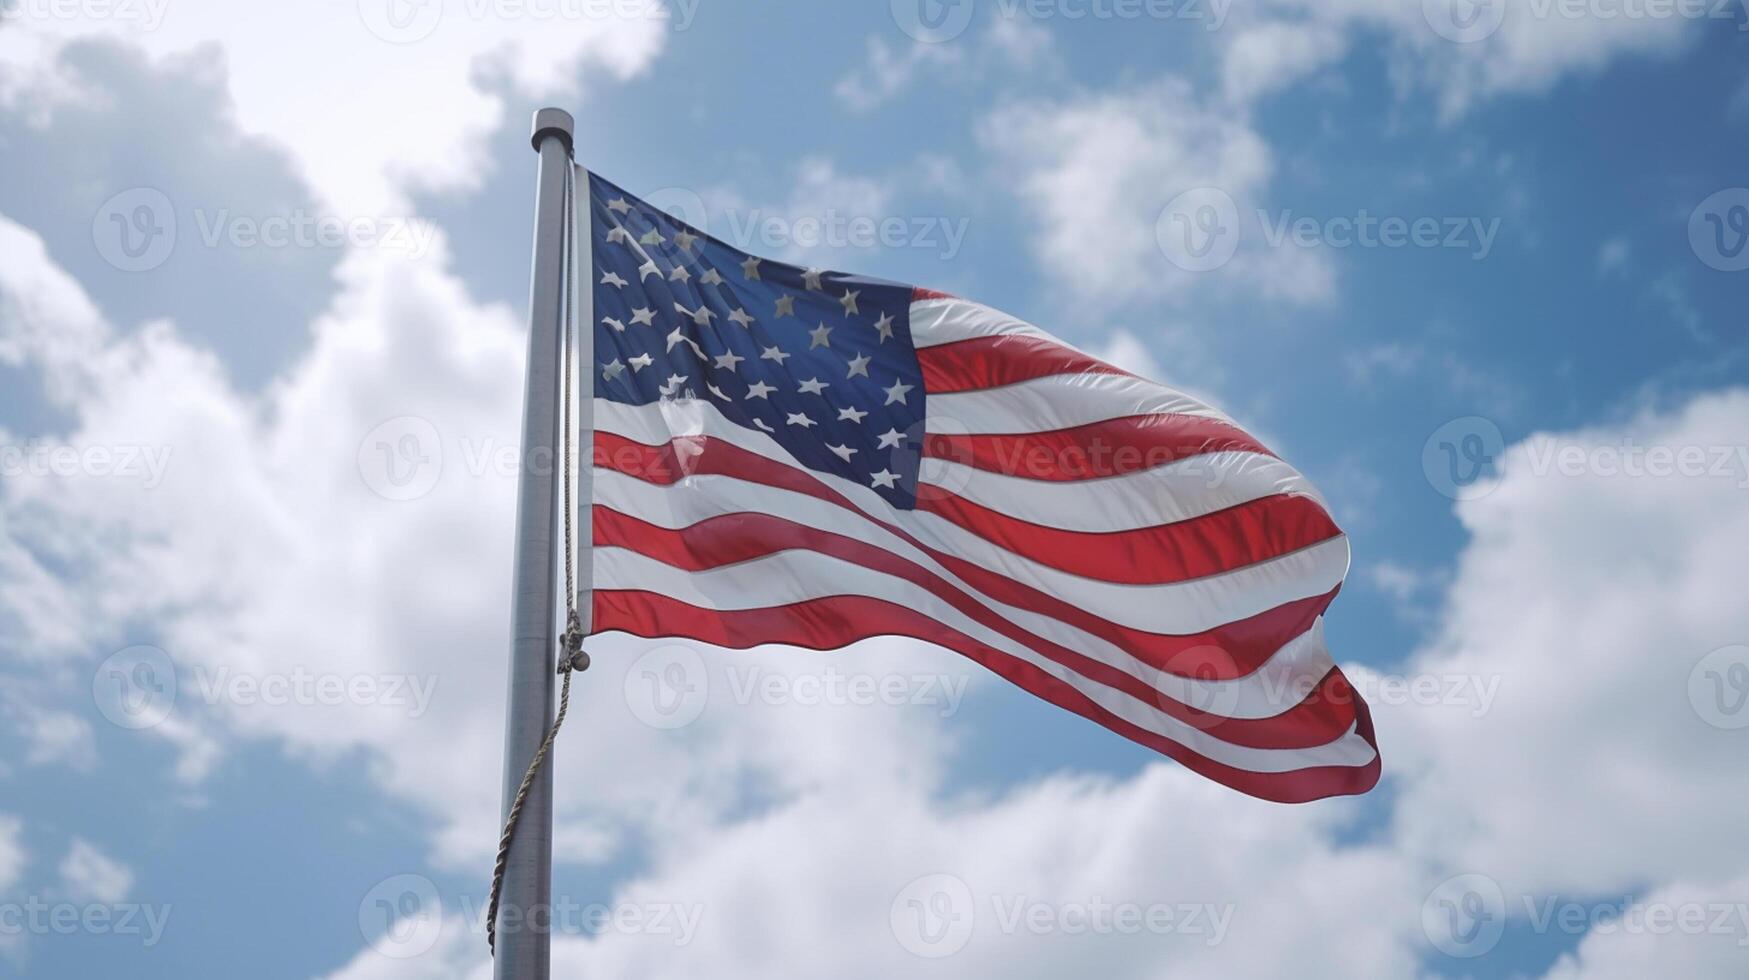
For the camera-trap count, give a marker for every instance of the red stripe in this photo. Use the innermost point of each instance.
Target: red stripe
(1310, 721)
(1098, 449)
(919, 293)
(1246, 643)
(1001, 359)
(1256, 531)
(819, 624)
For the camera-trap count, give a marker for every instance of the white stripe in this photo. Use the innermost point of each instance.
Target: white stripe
(800, 576)
(1178, 608)
(950, 319)
(1176, 491)
(1057, 401)
(1270, 690)
(945, 321)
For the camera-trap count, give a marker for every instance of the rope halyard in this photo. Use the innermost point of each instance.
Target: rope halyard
(572, 658)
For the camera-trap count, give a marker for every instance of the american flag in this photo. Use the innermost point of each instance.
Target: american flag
(797, 456)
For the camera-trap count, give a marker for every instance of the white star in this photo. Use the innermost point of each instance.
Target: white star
(820, 336)
(811, 279)
(612, 279)
(647, 270)
(740, 316)
(759, 389)
(640, 362)
(675, 381)
(701, 316)
(612, 369)
(618, 234)
(843, 452)
(884, 327)
(851, 415)
(763, 425)
(786, 305)
(680, 274)
(773, 354)
(797, 418)
(615, 324)
(651, 237)
(728, 361)
(684, 239)
(679, 338)
(896, 394)
(849, 301)
(813, 386)
(645, 316)
(711, 278)
(750, 268)
(619, 205)
(858, 365)
(717, 391)
(885, 478)
(891, 439)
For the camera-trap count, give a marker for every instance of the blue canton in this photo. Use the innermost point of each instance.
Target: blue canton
(821, 362)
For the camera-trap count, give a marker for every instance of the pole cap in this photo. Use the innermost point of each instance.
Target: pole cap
(553, 122)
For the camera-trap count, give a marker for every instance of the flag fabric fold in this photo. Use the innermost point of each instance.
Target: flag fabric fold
(799, 456)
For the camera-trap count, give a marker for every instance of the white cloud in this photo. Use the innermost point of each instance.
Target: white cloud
(1592, 598)
(1264, 57)
(359, 142)
(52, 737)
(89, 875)
(1011, 44)
(1684, 930)
(1532, 45)
(1097, 171)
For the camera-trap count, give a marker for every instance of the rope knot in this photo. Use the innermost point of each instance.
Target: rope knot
(572, 657)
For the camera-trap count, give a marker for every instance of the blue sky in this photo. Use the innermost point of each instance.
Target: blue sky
(1568, 608)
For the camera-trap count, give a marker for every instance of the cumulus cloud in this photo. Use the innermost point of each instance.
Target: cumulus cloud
(1465, 52)
(1593, 587)
(360, 144)
(1103, 175)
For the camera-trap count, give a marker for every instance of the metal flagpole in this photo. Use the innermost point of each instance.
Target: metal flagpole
(524, 918)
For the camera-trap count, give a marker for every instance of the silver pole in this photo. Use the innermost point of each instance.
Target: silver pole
(525, 909)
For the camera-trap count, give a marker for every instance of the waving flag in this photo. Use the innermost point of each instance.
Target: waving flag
(796, 456)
